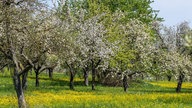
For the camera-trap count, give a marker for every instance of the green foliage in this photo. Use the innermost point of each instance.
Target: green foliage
(122, 60)
(118, 18)
(139, 9)
(133, 46)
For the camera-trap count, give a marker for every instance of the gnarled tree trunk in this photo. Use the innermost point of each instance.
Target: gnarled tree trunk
(19, 90)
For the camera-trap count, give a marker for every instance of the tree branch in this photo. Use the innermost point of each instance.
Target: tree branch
(27, 68)
(3, 66)
(19, 2)
(42, 69)
(28, 60)
(6, 55)
(134, 73)
(68, 65)
(97, 64)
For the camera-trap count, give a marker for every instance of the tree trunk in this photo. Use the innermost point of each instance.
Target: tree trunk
(37, 69)
(169, 77)
(37, 78)
(93, 79)
(93, 76)
(125, 83)
(50, 73)
(24, 81)
(19, 90)
(72, 75)
(179, 84)
(71, 85)
(16, 77)
(86, 80)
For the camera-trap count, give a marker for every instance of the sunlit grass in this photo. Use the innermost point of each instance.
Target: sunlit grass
(89, 99)
(55, 93)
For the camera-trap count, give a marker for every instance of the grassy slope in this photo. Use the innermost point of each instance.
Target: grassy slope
(56, 94)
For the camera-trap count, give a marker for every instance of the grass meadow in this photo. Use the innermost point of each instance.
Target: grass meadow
(56, 94)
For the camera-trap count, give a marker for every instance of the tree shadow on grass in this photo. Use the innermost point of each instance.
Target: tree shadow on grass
(56, 84)
(6, 88)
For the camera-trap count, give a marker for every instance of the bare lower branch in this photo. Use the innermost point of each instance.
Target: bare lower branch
(27, 68)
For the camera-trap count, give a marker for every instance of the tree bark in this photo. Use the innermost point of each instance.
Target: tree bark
(94, 66)
(71, 85)
(50, 73)
(86, 75)
(93, 79)
(37, 79)
(86, 78)
(179, 84)
(93, 75)
(24, 81)
(72, 75)
(19, 90)
(125, 83)
(37, 69)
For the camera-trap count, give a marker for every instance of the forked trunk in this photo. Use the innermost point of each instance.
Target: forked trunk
(179, 84)
(37, 69)
(19, 90)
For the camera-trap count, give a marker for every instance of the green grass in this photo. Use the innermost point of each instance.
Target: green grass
(56, 94)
